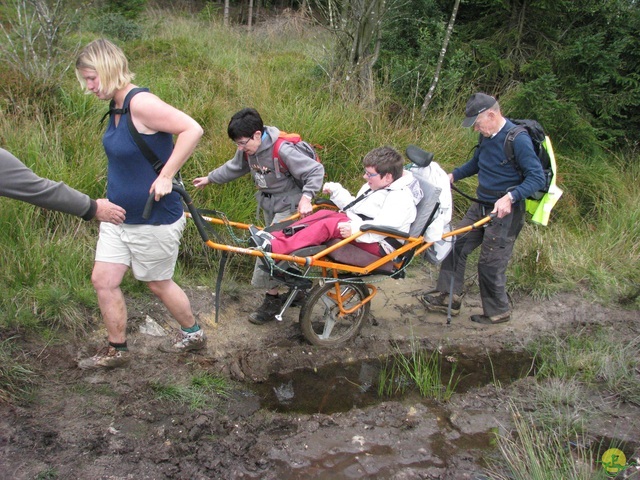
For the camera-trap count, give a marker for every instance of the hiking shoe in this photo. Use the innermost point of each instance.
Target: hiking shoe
(439, 302)
(185, 342)
(260, 239)
(108, 357)
(266, 312)
(495, 319)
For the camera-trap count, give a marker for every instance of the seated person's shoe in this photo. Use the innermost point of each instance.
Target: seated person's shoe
(260, 238)
(495, 319)
(266, 312)
(436, 301)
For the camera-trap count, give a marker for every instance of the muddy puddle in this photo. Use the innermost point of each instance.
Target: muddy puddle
(341, 387)
(420, 433)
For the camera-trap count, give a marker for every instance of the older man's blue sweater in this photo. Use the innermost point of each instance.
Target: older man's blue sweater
(497, 174)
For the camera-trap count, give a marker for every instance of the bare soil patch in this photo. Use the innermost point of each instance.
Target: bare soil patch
(112, 425)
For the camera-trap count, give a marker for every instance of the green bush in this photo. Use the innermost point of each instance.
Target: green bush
(129, 9)
(116, 26)
(568, 128)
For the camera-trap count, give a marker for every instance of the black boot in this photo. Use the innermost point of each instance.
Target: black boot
(267, 311)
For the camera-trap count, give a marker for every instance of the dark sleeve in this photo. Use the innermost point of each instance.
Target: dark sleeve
(530, 167)
(19, 182)
(468, 169)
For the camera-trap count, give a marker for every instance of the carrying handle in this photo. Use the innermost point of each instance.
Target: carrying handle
(146, 213)
(186, 198)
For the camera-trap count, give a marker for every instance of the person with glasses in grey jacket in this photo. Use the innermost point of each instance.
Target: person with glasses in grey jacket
(280, 193)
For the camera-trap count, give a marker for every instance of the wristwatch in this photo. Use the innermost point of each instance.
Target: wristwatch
(513, 200)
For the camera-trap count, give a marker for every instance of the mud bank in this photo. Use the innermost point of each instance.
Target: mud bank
(112, 425)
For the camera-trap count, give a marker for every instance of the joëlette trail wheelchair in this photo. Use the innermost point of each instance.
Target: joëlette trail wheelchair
(338, 276)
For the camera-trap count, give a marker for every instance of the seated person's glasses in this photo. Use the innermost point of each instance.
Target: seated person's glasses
(370, 175)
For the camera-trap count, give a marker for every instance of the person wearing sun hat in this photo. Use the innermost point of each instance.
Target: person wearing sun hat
(502, 190)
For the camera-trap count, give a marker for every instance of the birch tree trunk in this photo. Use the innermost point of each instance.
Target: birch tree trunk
(445, 43)
(225, 14)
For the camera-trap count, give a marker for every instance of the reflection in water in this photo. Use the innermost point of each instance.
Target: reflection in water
(284, 392)
(341, 387)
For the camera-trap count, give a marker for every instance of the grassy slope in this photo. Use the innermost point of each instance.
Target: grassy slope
(211, 72)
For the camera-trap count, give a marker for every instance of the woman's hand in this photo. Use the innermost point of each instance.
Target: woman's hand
(162, 186)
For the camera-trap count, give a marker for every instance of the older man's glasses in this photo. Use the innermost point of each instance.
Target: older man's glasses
(370, 175)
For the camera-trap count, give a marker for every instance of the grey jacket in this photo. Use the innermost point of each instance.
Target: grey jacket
(277, 191)
(19, 182)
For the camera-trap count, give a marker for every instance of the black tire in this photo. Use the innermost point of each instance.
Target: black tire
(319, 319)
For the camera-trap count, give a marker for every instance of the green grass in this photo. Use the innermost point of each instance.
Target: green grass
(210, 72)
(48, 474)
(16, 379)
(421, 370)
(561, 406)
(575, 375)
(598, 357)
(531, 453)
(203, 391)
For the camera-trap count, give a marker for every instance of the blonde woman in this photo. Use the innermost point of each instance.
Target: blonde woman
(149, 247)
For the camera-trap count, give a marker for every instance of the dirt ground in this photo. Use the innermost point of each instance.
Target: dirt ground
(112, 425)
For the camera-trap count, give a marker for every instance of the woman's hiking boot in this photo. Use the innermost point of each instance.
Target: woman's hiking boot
(266, 312)
(436, 301)
(185, 342)
(107, 357)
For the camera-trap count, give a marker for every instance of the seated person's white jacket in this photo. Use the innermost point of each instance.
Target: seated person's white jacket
(393, 206)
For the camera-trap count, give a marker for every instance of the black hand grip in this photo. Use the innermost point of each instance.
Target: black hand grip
(146, 213)
(195, 215)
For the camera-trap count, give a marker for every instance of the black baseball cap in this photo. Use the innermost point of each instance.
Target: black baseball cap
(477, 103)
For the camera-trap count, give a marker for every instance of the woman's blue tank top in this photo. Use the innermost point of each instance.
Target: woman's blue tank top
(130, 175)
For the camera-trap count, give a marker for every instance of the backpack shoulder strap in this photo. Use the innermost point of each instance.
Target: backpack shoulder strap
(151, 157)
(276, 154)
(508, 144)
(283, 137)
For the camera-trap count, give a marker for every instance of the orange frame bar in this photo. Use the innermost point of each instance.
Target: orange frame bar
(318, 260)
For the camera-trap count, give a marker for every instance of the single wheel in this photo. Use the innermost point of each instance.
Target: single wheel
(320, 318)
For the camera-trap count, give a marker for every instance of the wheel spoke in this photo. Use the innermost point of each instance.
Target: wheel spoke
(321, 321)
(329, 322)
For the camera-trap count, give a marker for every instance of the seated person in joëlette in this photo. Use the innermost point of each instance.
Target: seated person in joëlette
(388, 199)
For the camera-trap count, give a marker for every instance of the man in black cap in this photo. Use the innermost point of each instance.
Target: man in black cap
(502, 189)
